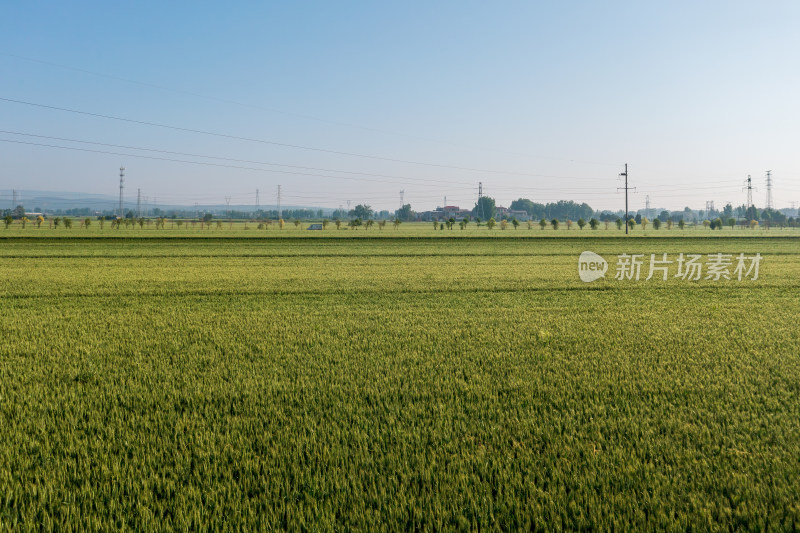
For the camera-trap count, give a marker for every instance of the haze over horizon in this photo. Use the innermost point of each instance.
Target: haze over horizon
(356, 101)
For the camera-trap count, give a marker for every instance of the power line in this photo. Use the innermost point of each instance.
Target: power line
(273, 110)
(256, 169)
(230, 159)
(262, 141)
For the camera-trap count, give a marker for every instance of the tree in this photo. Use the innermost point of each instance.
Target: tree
(397, 223)
(281, 223)
(87, 222)
(368, 224)
(296, 223)
(554, 223)
(530, 224)
(706, 223)
(39, 221)
(219, 224)
(664, 216)
(644, 222)
(515, 222)
(753, 224)
(490, 223)
(532, 208)
(656, 224)
(355, 223)
(8, 219)
(731, 222)
(451, 222)
(503, 224)
(568, 222)
(435, 225)
(727, 211)
(362, 211)
(618, 222)
(542, 223)
(631, 223)
(681, 224)
(325, 223)
(593, 223)
(669, 223)
(581, 223)
(67, 223)
(24, 221)
(179, 222)
(485, 207)
(404, 213)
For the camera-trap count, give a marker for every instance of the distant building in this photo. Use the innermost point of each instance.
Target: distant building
(315, 227)
(520, 215)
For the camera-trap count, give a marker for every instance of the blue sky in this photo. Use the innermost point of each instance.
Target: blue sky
(538, 100)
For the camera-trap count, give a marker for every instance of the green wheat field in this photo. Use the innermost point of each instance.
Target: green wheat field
(413, 379)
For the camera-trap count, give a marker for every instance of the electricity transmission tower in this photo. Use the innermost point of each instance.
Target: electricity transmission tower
(138, 203)
(256, 200)
(749, 188)
(121, 182)
(647, 206)
(769, 189)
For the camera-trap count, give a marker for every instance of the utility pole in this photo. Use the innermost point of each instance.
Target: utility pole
(480, 203)
(257, 201)
(647, 207)
(228, 207)
(445, 201)
(121, 182)
(14, 199)
(626, 188)
(402, 192)
(138, 203)
(280, 214)
(769, 189)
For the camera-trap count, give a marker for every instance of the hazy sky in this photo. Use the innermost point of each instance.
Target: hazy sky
(540, 100)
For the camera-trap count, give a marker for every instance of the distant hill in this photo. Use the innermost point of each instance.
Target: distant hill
(47, 201)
